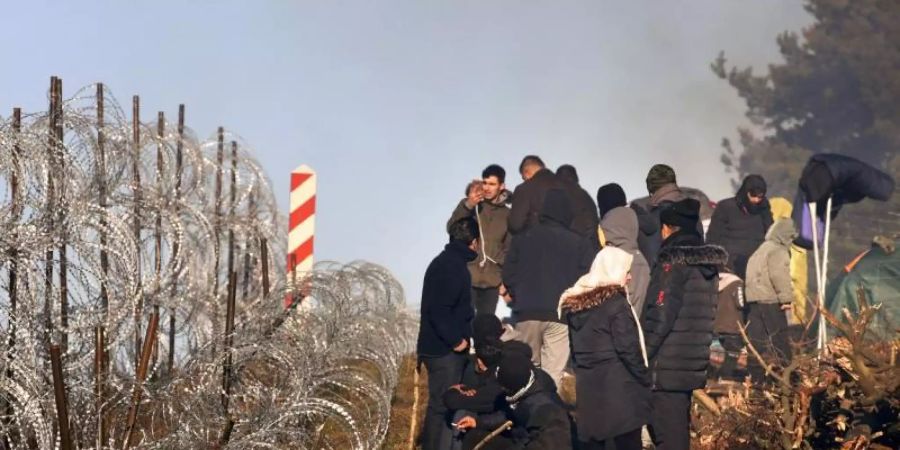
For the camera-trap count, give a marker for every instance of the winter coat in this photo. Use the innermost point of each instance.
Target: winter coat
(648, 210)
(620, 227)
(730, 309)
(528, 200)
(681, 309)
(488, 396)
(739, 228)
(540, 423)
(769, 269)
(584, 212)
(544, 261)
(494, 240)
(446, 310)
(612, 381)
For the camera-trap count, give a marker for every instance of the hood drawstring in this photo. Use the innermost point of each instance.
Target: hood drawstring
(484, 256)
(639, 328)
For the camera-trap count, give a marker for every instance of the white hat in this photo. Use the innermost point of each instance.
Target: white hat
(610, 268)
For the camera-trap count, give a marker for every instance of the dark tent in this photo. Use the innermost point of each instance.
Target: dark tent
(878, 273)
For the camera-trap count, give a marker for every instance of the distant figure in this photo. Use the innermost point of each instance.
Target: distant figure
(488, 202)
(611, 375)
(445, 327)
(585, 219)
(663, 188)
(678, 321)
(739, 224)
(620, 229)
(730, 316)
(542, 262)
(540, 422)
(769, 296)
(609, 197)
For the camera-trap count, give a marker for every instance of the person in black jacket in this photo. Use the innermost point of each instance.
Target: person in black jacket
(739, 224)
(678, 321)
(611, 376)
(585, 219)
(540, 423)
(478, 403)
(540, 265)
(445, 327)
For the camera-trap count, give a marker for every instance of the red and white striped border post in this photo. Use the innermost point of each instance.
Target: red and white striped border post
(301, 228)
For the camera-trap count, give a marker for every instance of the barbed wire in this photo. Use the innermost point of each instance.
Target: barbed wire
(106, 221)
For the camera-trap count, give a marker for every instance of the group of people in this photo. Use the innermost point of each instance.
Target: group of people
(625, 297)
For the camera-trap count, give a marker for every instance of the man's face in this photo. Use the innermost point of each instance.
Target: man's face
(756, 197)
(492, 188)
(528, 172)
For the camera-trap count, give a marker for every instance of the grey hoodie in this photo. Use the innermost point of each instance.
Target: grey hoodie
(769, 268)
(620, 227)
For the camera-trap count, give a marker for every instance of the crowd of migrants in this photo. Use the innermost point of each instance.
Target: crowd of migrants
(626, 297)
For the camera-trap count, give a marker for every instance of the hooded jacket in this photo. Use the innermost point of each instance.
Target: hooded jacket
(545, 260)
(769, 269)
(740, 227)
(612, 379)
(681, 309)
(494, 241)
(648, 209)
(729, 312)
(446, 310)
(620, 227)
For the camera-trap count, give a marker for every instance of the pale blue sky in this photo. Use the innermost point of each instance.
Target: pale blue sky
(398, 103)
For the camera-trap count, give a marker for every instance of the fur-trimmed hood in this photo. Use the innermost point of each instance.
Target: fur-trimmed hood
(700, 255)
(591, 298)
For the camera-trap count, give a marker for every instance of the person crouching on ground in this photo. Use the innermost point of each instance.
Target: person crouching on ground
(539, 422)
(611, 375)
(445, 327)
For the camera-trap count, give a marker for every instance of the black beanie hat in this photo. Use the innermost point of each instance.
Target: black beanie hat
(486, 326)
(510, 347)
(683, 214)
(610, 196)
(489, 352)
(659, 176)
(514, 371)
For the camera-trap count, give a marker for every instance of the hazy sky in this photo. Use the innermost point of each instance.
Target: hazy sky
(397, 104)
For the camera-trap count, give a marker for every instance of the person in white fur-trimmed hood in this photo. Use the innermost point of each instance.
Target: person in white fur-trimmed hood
(612, 382)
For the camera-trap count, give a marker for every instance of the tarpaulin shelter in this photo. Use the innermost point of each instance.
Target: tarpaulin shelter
(878, 274)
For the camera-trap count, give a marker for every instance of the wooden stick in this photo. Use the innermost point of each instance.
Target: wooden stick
(506, 425)
(59, 392)
(140, 376)
(413, 421)
(13, 268)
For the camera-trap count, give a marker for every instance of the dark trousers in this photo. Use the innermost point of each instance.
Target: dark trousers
(626, 441)
(670, 422)
(485, 299)
(732, 343)
(443, 372)
(767, 329)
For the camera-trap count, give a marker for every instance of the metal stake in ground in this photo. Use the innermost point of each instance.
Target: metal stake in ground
(101, 366)
(140, 376)
(59, 391)
(179, 160)
(136, 180)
